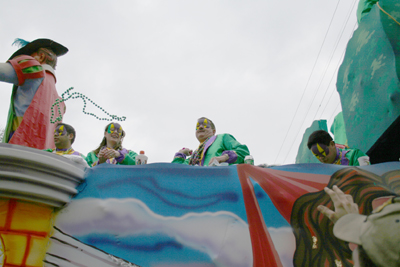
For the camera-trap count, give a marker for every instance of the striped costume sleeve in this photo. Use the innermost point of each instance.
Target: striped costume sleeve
(26, 67)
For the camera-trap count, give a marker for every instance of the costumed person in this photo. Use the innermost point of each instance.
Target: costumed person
(31, 70)
(213, 148)
(324, 149)
(110, 149)
(64, 137)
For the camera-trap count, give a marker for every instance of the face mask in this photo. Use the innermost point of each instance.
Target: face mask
(320, 150)
(204, 122)
(114, 127)
(60, 130)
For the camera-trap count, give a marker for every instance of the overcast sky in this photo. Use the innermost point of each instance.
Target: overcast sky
(261, 70)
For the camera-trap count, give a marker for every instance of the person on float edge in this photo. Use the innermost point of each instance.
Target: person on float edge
(110, 149)
(31, 70)
(221, 147)
(64, 137)
(323, 148)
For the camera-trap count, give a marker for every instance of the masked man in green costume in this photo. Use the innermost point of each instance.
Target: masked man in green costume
(324, 149)
(213, 148)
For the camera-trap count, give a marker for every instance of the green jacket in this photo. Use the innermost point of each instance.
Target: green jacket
(215, 147)
(129, 159)
(351, 157)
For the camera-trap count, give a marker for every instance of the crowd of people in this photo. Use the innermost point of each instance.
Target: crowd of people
(31, 70)
(212, 148)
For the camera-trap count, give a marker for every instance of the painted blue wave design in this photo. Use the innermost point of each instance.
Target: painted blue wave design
(164, 193)
(159, 246)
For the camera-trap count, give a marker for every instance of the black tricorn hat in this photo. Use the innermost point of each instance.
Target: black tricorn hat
(33, 46)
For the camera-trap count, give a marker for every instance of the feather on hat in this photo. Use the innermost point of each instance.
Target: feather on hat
(28, 48)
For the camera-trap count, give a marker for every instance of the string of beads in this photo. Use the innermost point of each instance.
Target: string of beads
(76, 95)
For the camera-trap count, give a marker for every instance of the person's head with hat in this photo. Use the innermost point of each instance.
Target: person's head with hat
(377, 235)
(45, 51)
(30, 70)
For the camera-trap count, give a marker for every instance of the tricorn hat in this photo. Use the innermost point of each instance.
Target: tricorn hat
(31, 47)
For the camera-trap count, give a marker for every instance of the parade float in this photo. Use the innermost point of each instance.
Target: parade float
(55, 212)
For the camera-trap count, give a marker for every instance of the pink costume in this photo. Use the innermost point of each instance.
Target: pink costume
(32, 128)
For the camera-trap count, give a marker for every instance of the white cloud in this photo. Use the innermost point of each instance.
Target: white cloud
(222, 235)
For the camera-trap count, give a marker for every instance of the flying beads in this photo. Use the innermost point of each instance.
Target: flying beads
(76, 95)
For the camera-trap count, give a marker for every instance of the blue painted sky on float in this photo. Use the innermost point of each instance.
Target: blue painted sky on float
(162, 214)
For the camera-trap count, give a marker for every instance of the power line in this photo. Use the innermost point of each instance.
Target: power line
(336, 45)
(334, 112)
(333, 76)
(309, 78)
(333, 91)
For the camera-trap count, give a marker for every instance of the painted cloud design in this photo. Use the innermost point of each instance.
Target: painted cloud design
(222, 235)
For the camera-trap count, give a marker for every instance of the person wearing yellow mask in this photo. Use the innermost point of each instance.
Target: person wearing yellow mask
(212, 148)
(324, 149)
(110, 149)
(64, 137)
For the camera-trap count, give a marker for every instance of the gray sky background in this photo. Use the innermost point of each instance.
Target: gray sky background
(261, 70)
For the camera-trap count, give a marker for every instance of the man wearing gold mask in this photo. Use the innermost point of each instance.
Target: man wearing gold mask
(324, 149)
(212, 148)
(64, 137)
